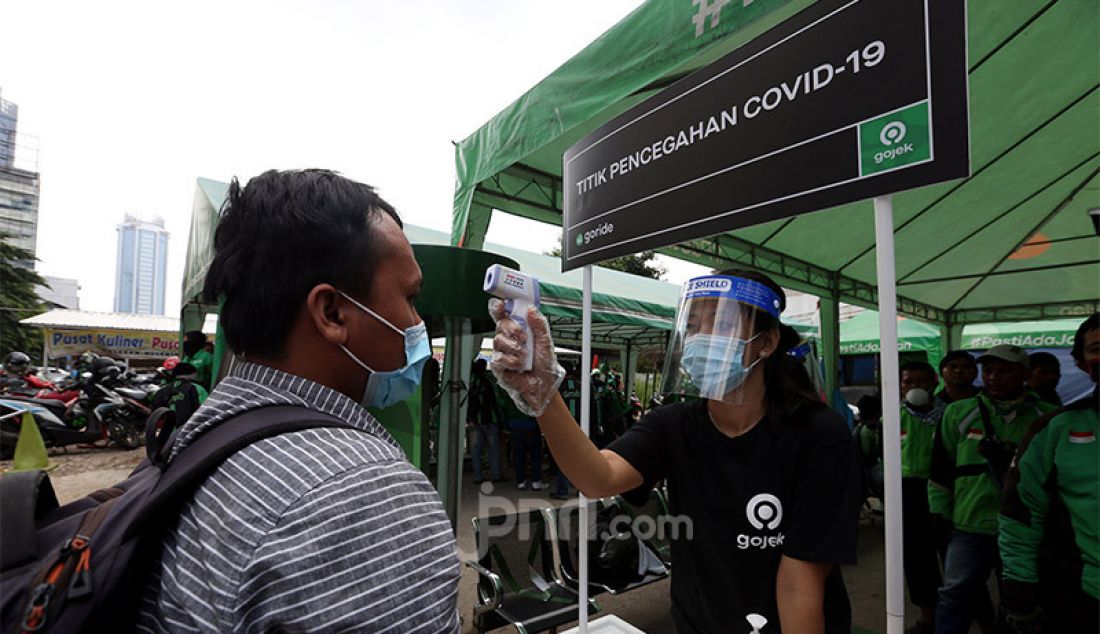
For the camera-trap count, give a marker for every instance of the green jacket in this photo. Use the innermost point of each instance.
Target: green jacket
(204, 366)
(959, 483)
(918, 431)
(1059, 477)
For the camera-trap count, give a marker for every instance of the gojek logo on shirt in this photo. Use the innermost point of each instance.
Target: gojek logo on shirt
(764, 512)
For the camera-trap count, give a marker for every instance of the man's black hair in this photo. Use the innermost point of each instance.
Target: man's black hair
(918, 366)
(278, 237)
(1090, 324)
(1046, 359)
(193, 341)
(953, 355)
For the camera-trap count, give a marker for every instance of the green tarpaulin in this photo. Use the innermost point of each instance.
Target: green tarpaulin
(627, 308)
(1034, 71)
(1026, 334)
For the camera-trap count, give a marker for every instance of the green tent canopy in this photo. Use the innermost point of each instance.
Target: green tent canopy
(627, 308)
(1013, 241)
(860, 335)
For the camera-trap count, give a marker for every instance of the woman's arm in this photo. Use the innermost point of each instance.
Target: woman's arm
(596, 473)
(800, 595)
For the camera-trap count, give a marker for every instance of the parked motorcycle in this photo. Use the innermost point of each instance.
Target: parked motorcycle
(124, 411)
(54, 431)
(111, 405)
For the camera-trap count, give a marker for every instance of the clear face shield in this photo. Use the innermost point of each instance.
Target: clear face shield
(710, 353)
(805, 353)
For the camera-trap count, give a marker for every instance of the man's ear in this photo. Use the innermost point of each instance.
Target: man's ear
(328, 313)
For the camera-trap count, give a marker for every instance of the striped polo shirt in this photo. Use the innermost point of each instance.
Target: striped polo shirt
(316, 530)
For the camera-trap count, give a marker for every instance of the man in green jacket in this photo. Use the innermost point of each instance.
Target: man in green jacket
(1050, 513)
(970, 456)
(920, 416)
(194, 351)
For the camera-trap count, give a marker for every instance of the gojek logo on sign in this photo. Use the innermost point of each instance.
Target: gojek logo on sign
(894, 132)
(895, 139)
(764, 512)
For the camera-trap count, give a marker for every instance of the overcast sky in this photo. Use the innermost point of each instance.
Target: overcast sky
(130, 102)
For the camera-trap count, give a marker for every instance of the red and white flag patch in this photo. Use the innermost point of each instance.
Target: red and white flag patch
(974, 434)
(1081, 437)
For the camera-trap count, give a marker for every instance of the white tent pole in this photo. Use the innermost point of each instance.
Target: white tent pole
(891, 411)
(586, 413)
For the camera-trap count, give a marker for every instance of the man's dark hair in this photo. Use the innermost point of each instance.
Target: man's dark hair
(918, 366)
(278, 237)
(193, 341)
(1090, 324)
(1045, 359)
(953, 355)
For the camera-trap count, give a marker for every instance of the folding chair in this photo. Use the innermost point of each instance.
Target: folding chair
(516, 580)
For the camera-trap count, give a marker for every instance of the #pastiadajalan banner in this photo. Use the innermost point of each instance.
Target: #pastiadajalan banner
(120, 344)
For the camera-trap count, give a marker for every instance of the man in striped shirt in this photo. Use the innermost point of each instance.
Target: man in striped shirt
(325, 529)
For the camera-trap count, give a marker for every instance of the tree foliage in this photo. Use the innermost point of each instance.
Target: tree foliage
(640, 264)
(18, 300)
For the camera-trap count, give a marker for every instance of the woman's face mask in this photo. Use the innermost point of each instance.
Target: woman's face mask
(386, 388)
(716, 363)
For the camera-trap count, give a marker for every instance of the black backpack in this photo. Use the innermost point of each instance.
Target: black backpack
(83, 567)
(181, 396)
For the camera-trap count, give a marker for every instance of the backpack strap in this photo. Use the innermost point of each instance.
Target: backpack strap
(987, 425)
(206, 453)
(25, 496)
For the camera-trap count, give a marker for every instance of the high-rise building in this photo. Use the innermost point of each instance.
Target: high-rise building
(9, 117)
(141, 267)
(59, 292)
(18, 186)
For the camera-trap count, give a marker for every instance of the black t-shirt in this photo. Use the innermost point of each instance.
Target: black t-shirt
(786, 487)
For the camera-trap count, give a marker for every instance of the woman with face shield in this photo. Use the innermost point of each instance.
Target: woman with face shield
(763, 480)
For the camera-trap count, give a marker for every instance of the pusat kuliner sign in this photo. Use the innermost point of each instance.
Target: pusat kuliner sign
(845, 101)
(120, 344)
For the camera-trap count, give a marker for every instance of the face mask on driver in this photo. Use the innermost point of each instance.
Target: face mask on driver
(386, 388)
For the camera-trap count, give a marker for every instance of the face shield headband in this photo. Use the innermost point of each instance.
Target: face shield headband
(715, 324)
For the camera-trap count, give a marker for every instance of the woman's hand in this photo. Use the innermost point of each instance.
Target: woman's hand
(531, 390)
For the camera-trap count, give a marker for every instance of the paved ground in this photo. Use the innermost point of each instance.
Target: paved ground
(84, 470)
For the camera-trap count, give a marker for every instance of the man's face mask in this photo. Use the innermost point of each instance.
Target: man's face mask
(386, 388)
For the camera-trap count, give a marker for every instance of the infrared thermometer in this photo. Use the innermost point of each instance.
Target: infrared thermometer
(519, 292)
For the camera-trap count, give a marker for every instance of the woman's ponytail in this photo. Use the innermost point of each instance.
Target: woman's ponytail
(788, 388)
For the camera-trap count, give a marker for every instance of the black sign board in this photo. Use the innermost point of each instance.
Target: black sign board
(845, 101)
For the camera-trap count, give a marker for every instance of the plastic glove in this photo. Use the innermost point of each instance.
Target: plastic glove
(532, 390)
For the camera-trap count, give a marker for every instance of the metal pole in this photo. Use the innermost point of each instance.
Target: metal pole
(891, 412)
(586, 413)
(449, 465)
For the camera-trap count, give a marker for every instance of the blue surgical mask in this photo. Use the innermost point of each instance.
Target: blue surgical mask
(386, 388)
(715, 363)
